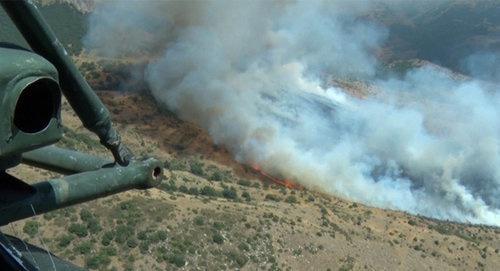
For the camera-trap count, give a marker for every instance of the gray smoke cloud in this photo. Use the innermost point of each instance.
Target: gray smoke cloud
(256, 75)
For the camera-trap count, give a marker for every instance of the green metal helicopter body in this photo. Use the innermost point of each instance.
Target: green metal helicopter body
(31, 86)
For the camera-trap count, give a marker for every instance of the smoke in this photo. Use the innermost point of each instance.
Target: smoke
(483, 65)
(257, 75)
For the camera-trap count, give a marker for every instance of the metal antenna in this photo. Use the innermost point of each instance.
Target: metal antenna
(24, 243)
(43, 243)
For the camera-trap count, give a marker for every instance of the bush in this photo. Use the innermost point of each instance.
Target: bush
(122, 233)
(217, 176)
(272, 197)
(244, 246)
(65, 240)
(98, 261)
(144, 247)
(244, 182)
(246, 196)
(218, 238)
(132, 242)
(177, 259)
(199, 221)
(176, 165)
(85, 215)
(292, 199)
(93, 225)
(109, 251)
(158, 236)
(107, 237)
(197, 168)
(84, 248)
(218, 225)
(229, 193)
(142, 235)
(208, 191)
(31, 228)
(239, 258)
(412, 222)
(127, 205)
(78, 229)
(49, 215)
(183, 189)
(193, 191)
(170, 186)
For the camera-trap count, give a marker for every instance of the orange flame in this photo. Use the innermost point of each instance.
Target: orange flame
(283, 182)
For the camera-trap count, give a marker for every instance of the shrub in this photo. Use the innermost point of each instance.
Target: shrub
(93, 225)
(127, 205)
(323, 210)
(208, 191)
(107, 237)
(31, 228)
(272, 197)
(244, 182)
(217, 176)
(142, 235)
(218, 238)
(229, 193)
(158, 236)
(64, 241)
(132, 242)
(97, 261)
(49, 215)
(122, 233)
(78, 229)
(144, 247)
(84, 248)
(239, 258)
(199, 220)
(85, 215)
(310, 198)
(176, 165)
(218, 225)
(197, 168)
(183, 189)
(292, 199)
(244, 246)
(193, 191)
(177, 259)
(170, 186)
(246, 196)
(109, 251)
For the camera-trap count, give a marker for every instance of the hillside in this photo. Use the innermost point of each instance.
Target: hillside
(213, 213)
(68, 23)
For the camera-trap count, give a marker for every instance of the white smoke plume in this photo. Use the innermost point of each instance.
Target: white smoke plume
(255, 74)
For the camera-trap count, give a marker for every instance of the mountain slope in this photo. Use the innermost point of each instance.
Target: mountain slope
(213, 213)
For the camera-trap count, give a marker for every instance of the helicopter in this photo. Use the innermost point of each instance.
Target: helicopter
(32, 83)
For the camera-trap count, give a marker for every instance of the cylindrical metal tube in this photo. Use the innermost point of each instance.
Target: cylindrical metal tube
(63, 160)
(58, 193)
